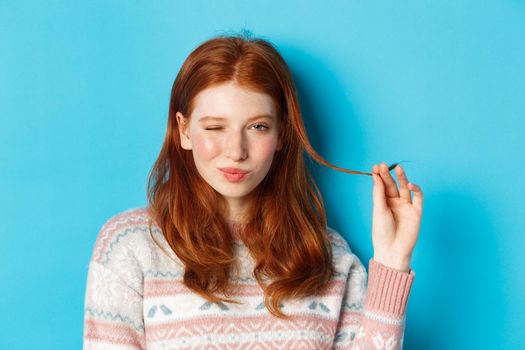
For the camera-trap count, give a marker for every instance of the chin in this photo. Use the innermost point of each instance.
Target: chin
(234, 194)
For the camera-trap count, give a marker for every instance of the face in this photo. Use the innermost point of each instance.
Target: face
(233, 135)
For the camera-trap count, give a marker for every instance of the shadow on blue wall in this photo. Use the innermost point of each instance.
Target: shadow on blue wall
(460, 291)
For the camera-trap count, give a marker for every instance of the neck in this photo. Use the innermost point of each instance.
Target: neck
(235, 229)
(236, 215)
(236, 209)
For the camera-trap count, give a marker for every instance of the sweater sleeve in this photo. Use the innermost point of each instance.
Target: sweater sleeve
(113, 305)
(112, 313)
(373, 317)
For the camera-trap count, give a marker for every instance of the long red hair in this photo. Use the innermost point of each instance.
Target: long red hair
(285, 226)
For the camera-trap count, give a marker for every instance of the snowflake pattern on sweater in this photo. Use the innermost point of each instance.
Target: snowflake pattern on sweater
(135, 299)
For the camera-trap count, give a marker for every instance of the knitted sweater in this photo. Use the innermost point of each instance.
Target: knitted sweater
(135, 299)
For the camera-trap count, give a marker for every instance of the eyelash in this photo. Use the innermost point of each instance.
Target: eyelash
(265, 127)
(258, 129)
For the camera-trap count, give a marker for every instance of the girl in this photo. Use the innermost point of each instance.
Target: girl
(233, 250)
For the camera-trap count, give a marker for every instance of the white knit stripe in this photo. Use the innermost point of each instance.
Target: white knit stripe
(384, 319)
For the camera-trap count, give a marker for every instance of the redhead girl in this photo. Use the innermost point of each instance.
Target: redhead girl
(233, 250)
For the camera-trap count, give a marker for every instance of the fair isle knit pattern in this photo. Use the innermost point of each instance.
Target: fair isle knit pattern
(135, 299)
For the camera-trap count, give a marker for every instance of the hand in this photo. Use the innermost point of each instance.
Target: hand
(396, 217)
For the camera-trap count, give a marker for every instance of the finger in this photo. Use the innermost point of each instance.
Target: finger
(378, 192)
(417, 201)
(390, 184)
(404, 192)
(375, 169)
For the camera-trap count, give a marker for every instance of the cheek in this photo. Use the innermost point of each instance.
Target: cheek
(266, 151)
(205, 147)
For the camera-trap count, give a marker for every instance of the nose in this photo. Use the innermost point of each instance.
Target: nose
(235, 147)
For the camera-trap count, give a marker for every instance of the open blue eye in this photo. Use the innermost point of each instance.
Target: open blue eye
(260, 127)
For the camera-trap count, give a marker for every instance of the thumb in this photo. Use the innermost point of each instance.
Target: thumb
(378, 193)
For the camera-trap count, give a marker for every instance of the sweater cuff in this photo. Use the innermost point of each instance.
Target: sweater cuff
(388, 289)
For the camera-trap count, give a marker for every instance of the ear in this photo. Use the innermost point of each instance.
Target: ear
(183, 125)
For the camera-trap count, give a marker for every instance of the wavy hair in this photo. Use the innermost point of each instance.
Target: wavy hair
(285, 223)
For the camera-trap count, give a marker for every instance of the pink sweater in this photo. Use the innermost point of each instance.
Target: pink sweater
(135, 299)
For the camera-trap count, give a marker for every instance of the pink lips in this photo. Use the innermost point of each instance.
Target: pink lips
(234, 174)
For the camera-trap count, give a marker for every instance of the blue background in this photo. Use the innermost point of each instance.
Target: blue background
(84, 92)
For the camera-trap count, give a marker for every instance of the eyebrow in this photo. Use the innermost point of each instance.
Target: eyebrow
(214, 118)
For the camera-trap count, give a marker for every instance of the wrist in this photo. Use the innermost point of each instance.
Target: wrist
(401, 264)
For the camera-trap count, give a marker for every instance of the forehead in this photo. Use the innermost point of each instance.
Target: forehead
(230, 100)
